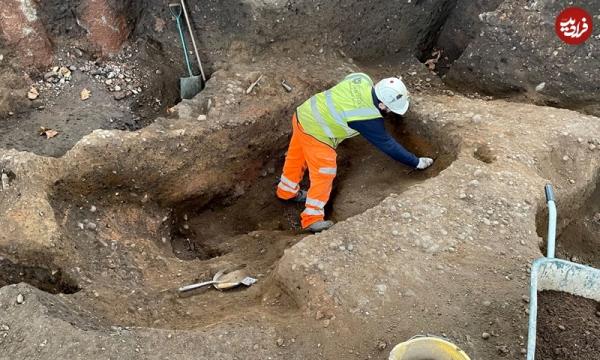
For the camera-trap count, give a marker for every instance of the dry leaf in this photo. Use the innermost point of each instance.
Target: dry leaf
(49, 133)
(85, 94)
(171, 110)
(33, 93)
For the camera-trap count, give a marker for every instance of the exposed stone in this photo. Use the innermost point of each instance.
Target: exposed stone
(21, 27)
(105, 26)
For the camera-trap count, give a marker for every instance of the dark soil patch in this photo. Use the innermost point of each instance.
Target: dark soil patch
(580, 319)
(61, 109)
(579, 241)
(54, 282)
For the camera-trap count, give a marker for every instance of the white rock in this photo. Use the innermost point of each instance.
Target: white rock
(20, 299)
(91, 226)
(5, 182)
(540, 86)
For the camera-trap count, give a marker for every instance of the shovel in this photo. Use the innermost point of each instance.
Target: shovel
(222, 281)
(192, 85)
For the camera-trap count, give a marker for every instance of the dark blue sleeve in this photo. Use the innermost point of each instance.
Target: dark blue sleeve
(374, 131)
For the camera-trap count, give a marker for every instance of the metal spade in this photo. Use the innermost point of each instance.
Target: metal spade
(222, 281)
(192, 85)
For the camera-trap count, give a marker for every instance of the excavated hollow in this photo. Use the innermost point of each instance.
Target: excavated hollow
(132, 254)
(578, 232)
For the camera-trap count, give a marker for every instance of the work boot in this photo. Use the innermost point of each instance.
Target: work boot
(300, 196)
(319, 226)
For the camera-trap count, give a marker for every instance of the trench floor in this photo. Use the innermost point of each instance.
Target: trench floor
(132, 261)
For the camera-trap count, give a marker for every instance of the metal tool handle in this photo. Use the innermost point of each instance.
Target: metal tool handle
(551, 241)
(549, 193)
(189, 24)
(180, 28)
(196, 286)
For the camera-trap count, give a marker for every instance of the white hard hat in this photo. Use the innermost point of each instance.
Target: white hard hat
(393, 93)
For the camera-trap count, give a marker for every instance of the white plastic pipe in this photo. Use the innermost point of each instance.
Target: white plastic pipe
(551, 241)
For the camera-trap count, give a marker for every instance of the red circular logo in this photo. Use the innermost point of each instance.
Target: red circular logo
(574, 25)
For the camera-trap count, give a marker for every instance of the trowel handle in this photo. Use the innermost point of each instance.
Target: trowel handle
(549, 193)
(196, 286)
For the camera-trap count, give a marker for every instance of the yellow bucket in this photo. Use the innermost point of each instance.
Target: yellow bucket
(427, 348)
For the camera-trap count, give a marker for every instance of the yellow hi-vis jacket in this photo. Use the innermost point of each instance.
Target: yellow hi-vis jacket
(326, 115)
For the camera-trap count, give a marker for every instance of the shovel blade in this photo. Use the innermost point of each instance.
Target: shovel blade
(190, 86)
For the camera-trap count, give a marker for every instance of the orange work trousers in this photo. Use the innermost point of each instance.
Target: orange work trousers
(305, 152)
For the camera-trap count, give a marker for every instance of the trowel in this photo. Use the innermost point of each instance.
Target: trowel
(223, 281)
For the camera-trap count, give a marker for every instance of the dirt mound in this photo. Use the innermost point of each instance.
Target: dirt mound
(519, 55)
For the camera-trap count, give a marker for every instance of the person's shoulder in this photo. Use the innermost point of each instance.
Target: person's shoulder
(359, 77)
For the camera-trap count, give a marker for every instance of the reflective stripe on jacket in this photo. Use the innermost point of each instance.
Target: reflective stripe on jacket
(326, 115)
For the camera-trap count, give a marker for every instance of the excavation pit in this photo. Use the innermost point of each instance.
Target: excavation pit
(133, 251)
(578, 234)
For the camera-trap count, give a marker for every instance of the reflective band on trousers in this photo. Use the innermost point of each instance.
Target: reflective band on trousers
(335, 114)
(328, 171)
(288, 182)
(319, 118)
(310, 211)
(284, 187)
(316, 203)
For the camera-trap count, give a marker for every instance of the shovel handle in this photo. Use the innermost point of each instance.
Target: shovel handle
(177, 14)
(196, 286)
